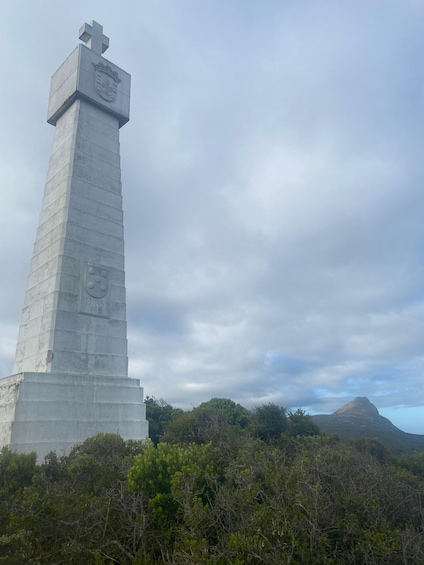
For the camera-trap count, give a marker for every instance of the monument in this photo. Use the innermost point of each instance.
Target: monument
(70, 377)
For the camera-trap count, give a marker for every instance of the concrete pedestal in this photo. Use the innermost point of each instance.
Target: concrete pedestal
(43, 412)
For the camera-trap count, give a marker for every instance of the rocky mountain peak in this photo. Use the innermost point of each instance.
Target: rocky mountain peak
(361, 419)
(359, 406)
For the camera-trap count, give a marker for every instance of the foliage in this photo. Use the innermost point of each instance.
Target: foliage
(77, 509)
(265, 488)
(16, 470)
(178, 485)
(212, 421)
(269, 421)
(159, 414)
(301, 424)
(414, 463)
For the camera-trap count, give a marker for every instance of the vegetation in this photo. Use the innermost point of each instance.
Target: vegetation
(228, 486)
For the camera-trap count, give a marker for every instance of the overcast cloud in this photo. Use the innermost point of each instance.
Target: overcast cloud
(273, 185)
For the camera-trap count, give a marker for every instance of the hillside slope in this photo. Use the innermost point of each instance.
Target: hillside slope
(360, 418)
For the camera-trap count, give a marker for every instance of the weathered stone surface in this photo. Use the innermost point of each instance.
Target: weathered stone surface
(47, 411)
(76, 237)
(80, 76)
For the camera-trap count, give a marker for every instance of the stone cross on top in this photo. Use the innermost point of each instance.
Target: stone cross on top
(93, 36)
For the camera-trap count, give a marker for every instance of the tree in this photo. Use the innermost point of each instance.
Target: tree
(78, 509)
(159, 414)
(301, 424)
(215, 421)
(269, 421)
(178, 484)
(16, 470)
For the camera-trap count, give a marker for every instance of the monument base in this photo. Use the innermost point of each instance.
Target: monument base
(45, 412)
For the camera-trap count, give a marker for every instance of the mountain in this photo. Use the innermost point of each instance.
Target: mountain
(360, 418)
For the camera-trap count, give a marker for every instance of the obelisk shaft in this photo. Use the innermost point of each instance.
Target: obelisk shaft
(74, 314)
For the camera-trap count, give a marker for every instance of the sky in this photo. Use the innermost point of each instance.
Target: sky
(273, 183)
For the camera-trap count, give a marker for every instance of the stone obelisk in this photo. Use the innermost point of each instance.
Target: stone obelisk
(70, 378)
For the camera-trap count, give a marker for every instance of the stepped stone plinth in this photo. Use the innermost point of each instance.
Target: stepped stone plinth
(70, 376)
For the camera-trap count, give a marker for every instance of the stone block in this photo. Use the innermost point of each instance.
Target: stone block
(85, 148)
(84, 75)
(101, 224)
(52, 411)
(98, 193)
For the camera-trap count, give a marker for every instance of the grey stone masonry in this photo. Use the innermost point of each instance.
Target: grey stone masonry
(70, 377)
(46, 412)
(74, 316)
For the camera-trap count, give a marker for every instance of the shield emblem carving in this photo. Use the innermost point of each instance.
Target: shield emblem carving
(97, 281)
(106, 82)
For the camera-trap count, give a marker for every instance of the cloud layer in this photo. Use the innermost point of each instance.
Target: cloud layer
(273, 186)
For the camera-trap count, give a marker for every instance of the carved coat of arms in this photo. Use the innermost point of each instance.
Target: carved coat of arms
(107, 81)
(96, 281)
